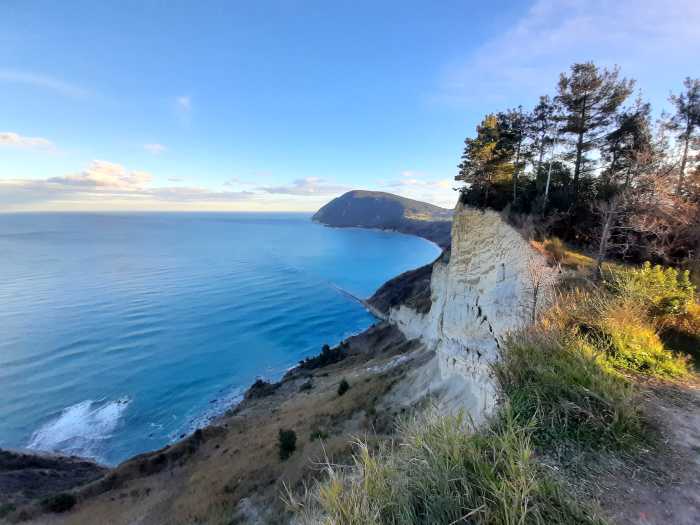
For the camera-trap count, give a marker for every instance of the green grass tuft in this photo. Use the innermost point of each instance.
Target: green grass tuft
(442, 470)
(564, 386)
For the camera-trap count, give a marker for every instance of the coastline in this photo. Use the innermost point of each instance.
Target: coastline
(304, 397)
(238, 402)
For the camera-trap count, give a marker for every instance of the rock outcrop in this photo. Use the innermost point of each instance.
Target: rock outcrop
(28, 475)
(385, 211)
(478, 293)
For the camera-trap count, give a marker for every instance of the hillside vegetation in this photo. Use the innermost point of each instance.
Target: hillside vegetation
(573, 381)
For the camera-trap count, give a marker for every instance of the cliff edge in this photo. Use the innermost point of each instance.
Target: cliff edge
(478, 292)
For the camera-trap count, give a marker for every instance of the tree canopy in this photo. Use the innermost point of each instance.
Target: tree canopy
(589, 159)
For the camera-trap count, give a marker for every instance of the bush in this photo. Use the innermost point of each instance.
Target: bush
(343, 387)
(7, 508)
(556, 249)
(681, 333)
(328, 356)
(287, 443)
(442, 470)
(632, 344)
(318, 434)
(665, 291)
(62, 502)
(620, 329)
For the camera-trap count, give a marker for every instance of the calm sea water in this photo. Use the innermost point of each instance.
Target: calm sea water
(120, 332)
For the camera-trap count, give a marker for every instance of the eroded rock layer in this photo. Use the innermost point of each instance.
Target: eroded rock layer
(482, 291)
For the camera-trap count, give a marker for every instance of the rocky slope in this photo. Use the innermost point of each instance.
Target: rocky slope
(27, 476)
(374, 209)
(480, 291)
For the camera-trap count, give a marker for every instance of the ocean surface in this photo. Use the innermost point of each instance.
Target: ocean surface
(121, 332)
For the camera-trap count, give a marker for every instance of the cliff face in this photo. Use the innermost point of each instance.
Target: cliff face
(478, 293)
(374, 209)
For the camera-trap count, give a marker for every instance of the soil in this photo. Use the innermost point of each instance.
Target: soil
(663, 486)
(659, 485)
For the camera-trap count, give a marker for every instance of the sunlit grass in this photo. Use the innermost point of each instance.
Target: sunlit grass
(440, 469)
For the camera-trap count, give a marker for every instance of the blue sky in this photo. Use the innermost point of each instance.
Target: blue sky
(159, 105)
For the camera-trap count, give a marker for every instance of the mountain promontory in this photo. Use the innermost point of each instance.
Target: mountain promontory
(386, 211)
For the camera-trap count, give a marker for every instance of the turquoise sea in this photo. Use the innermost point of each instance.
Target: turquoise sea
(121, 332)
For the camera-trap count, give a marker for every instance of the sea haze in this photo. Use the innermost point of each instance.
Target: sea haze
(120, 332)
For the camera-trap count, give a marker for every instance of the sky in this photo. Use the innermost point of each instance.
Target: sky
(283, 105)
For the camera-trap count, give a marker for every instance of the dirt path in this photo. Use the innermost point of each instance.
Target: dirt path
(664, 487)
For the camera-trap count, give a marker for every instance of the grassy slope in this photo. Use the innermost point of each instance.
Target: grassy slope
(572, 387)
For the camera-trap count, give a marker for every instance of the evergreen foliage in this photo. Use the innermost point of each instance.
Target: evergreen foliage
(590, 168)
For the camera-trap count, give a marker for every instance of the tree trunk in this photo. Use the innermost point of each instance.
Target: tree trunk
(579, 150)
(604, 238)
(515, 172)
(549, 174)
(684, 160)
(541, 156)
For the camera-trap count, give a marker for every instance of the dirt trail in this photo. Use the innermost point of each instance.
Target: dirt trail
(664, 488)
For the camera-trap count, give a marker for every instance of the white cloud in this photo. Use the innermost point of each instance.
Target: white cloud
(41, 81)
(419, 186)
(104, 184)
(183, 103)
(233, 181)
(155, 148)
(15, 140)
(638, 35)
(307, 186)
(103, 175)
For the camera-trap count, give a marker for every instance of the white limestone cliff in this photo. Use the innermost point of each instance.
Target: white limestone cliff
(484, 291)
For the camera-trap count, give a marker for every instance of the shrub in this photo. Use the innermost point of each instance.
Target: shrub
(632, 344)
(665, 291)
(62, 502)
(681, 333)
(619, 329)
(7, 508)
(442, 470)
(328, 356)
(318, 434)
(343, 387)
(287, 443)
(556, 249)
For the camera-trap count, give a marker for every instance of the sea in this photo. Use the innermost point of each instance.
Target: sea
(121, 332)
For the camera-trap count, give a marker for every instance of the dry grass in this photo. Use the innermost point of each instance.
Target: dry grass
(440, 469)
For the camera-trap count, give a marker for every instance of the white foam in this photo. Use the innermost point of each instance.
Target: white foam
(80, 429)
(217, 407)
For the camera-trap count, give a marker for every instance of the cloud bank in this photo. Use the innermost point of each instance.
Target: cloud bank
(554, 33)
(109, 185)
(306, 187)
(15, 140)
(42, 82)
(155, 148)
(422, 187)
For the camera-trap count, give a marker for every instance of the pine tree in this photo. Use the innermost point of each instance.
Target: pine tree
(685, 121)
(513, 126)
(589, 99)
(484, 162)
(542, 130)
(629, 146)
